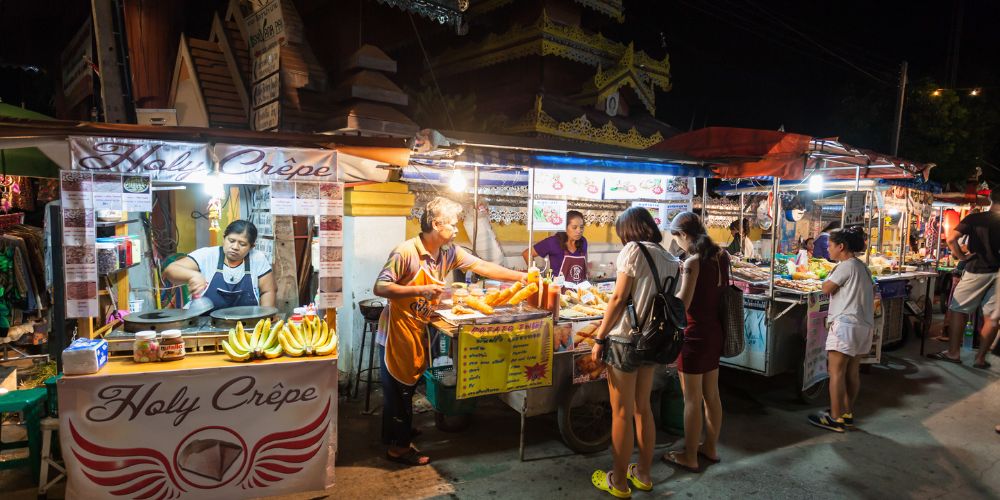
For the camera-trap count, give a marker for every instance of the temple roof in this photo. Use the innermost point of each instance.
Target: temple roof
(611, 8)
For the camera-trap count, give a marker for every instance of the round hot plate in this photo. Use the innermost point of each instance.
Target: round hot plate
(159, 320)
(247, 314)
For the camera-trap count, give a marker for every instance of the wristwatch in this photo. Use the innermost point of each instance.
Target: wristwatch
(601, 340)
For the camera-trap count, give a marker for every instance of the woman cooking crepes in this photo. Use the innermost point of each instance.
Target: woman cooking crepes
(566, 250)
(231, 275)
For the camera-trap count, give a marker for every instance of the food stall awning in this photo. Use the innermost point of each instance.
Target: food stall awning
(742, 153)
(362, 157)
(497, 152)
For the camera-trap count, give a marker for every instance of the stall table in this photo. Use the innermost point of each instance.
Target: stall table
(201, 427)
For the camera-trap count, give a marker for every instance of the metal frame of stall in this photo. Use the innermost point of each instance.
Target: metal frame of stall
(563, 394)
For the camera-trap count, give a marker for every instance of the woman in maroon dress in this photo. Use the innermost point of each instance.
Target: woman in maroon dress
(705, 274)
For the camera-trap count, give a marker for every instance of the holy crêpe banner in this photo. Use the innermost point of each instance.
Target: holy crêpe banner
(238, 431)
(192, 163)
(505, 357)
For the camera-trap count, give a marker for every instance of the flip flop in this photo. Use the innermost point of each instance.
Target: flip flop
(671, 459)
(602, 481)
(710, 459)
(943, 356)
(634, 479)
(410, 459)
(982, 366)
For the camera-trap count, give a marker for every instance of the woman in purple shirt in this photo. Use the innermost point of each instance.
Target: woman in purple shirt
(566, 250)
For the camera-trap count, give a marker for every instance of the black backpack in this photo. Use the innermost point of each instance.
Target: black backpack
(661, 336)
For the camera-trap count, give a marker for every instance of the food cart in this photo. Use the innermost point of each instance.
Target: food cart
(785, 315)
(169, 419)
(538, 180)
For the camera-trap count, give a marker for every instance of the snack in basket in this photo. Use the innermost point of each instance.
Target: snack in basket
(508, 293)
(523, 294)
(479, 305)
(460, 310)
(491, 297)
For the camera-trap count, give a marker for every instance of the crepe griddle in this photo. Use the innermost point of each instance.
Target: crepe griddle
(160, 319)
(227, 318)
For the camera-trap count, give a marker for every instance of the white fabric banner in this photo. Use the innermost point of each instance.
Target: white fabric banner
(167, 161)
(238, 431)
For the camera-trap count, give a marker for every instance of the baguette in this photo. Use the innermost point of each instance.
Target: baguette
(479, 305)
(523, 294)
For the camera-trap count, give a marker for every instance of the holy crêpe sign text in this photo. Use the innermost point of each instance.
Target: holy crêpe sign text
(170, 161)
(234, 431)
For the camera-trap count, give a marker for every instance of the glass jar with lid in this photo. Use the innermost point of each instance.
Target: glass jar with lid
(145, 348)
(171, 345)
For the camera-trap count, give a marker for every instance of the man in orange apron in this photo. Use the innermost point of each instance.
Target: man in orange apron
(413, 279)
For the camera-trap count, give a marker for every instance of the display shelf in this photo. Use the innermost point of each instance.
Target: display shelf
(120, 269)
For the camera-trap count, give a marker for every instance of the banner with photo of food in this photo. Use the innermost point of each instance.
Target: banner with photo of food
(549, 215)
(79, 243)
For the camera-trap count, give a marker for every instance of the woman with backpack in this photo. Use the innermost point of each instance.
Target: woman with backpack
(705, 275)
(630, 365)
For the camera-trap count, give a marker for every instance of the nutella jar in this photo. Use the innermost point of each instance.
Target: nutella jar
(171, 345)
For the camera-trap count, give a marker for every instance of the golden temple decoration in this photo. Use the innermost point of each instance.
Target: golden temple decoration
(547, 37)
(627, 72)
(581, 129)
(611, 8)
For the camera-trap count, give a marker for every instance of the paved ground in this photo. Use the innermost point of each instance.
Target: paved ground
(926, 431)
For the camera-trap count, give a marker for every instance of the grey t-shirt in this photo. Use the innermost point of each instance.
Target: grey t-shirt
(855, 299)
(633, 263)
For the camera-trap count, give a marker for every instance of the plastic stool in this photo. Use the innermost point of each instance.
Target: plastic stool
(30, 403)
(370, 327)
(50, 427)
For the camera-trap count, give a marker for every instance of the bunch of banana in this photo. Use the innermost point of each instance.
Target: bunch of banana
(261, 344)
(313, 338)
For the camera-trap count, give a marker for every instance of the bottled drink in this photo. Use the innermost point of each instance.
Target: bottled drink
(968, 335)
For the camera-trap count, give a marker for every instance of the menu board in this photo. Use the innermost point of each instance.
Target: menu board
(854, 208)
(647, 187)
(131, 193)
(549, 215)
(504, 357)
(814, 366)
(663, 213)
(331, 243)
(570, 183)
(79, 238)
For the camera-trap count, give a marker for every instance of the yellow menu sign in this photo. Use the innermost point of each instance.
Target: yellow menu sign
(506, 357)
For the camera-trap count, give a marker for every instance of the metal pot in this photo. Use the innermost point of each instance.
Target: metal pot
(371, 309)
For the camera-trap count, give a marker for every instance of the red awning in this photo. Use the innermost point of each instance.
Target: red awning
(744, 152)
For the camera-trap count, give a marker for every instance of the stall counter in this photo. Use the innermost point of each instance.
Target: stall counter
(201, 427)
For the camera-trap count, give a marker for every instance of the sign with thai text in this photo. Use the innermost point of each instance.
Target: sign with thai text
(266, 90)
(504, 357)
(265, 27)
(814, 365)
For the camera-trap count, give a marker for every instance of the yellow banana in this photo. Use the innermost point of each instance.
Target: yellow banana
(254, 338)
(324, 333)
(288, 348)
(273, 352)
(234, 355)
(235, 343)
(275, 331)
(257, 327)
(295, 332)
(289, 335)
(328, 348)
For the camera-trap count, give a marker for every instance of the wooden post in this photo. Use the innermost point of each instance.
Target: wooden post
(112, 90)
(285, 270)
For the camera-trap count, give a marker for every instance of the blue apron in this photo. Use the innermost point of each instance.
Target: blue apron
(237, 294)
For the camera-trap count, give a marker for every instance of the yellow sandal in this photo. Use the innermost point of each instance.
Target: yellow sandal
(602, 481)
(634, 479)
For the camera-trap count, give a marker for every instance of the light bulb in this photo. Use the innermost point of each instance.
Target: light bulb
(816, 183)
(457, 181)
(214, 187)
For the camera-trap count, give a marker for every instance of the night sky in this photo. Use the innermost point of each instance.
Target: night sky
(741, 63)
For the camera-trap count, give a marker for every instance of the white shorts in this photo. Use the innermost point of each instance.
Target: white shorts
(974, 290)
(848, 337)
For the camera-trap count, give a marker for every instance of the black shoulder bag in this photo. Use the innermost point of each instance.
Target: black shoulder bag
(660, 337)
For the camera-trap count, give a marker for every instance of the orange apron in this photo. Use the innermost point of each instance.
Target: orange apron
(406, 348)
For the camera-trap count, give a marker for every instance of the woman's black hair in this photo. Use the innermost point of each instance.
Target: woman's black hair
(701, 242)
(853, 238)
(735, 226)
(242, 227)
(636, 224)
(563, 236)
(831, 226)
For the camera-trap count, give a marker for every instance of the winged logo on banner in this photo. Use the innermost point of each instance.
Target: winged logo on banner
(205, 459)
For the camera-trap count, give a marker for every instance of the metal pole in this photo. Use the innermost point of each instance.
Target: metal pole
(904, 237)
(57, 334)
(704, 197)
(937, 249)
(531, 216)
(881, 221)
(869, 195)
(900, 99)
(740, 220)
(774, 241)
(857, 178)
(475, 211)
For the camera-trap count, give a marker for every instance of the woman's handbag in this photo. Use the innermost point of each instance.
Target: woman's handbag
(731, 305)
